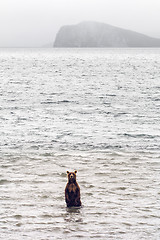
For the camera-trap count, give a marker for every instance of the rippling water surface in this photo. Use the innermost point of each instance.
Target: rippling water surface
(96, 111)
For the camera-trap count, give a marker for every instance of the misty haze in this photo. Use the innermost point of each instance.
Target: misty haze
(36, 23)
(100, 35)
(79, 119)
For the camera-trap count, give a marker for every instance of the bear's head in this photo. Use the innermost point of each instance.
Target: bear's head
(71, 176)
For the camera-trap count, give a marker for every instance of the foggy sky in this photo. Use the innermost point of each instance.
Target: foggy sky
(34, 23)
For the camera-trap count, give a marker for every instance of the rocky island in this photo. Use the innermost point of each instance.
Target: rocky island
(101, 35)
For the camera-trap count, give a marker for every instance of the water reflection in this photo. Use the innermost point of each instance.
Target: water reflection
(74, 214)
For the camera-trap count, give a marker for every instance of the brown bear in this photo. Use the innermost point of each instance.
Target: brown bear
(72, 191)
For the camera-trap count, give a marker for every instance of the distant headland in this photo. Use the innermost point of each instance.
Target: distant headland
(101, 35)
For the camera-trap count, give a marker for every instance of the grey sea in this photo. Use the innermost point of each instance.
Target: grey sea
(96, 111)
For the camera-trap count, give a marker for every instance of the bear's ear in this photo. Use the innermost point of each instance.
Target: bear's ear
(67, 172)
(75, 171)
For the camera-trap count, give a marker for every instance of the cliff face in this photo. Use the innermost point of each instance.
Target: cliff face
(93, 34)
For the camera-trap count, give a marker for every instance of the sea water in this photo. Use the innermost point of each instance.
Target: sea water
(96, 111)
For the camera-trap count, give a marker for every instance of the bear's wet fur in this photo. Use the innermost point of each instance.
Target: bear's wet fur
(72, 191)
